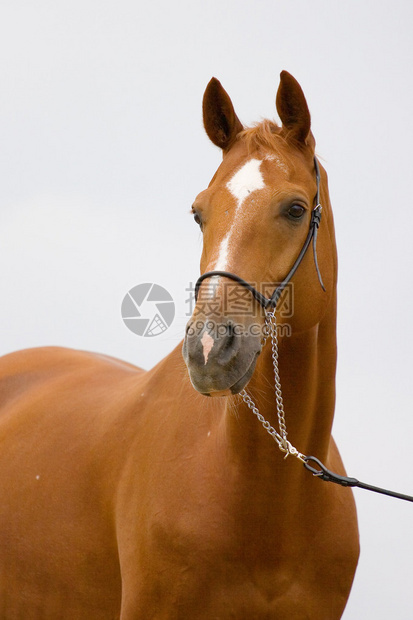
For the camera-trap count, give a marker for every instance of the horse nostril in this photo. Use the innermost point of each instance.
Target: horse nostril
(189, 329)
(229, 346)
(230, 334)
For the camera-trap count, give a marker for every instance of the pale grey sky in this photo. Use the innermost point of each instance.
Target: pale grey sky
(103, 151)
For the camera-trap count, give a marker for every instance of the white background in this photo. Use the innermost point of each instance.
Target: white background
(102, 151)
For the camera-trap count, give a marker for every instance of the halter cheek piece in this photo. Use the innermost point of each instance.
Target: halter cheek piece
(271, 302)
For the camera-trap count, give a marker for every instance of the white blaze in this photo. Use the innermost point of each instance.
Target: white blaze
(223, 254)
(207, 344)
(246, 180)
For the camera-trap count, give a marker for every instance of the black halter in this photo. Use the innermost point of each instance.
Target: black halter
(271, 302)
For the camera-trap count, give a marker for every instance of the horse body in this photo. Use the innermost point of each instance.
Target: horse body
(128, 494)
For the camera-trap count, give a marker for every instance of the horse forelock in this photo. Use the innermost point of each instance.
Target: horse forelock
(268, 140)
(266, 134)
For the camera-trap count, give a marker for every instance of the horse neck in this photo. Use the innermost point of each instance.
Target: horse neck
(307, 364)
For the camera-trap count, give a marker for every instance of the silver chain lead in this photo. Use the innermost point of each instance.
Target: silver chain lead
(270, 329)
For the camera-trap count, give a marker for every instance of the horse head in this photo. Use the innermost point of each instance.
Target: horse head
(255, 217)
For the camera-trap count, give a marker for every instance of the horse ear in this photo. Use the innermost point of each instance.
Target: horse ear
(293, 110)
(220, 121)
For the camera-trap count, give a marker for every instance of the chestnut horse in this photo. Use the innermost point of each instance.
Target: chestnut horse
(130, 494)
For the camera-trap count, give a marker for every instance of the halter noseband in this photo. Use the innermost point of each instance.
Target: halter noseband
(271, 302)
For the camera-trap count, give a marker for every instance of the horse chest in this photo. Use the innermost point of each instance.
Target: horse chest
(228, 582)
(204, 564)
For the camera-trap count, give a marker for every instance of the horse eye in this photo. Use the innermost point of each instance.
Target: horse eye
(198, 220)
(296, 211)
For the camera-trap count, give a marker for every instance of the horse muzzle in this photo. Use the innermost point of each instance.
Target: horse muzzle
(221, 356)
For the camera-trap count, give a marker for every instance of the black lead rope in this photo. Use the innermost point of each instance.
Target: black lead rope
(328, 476)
